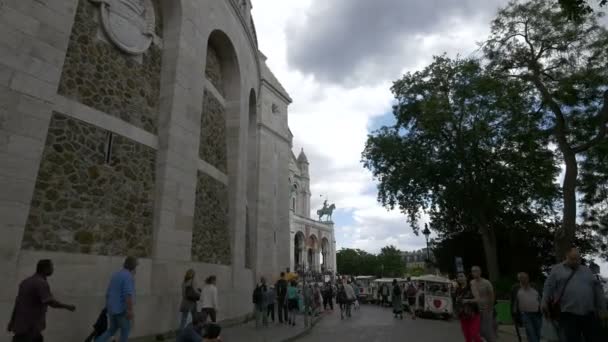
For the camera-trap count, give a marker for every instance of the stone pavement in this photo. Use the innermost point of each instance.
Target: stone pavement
(373, 323)
(273, 333)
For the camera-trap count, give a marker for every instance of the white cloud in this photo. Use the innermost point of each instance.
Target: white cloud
(330, 121)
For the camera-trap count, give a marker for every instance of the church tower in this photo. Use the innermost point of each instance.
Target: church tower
(304, 195)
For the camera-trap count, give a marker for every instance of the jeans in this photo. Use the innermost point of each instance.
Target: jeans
(117, 322)
(261, 316)
(532, 323)
(184, 318)
(209, 313)
(487, 328)
(270, 312)
(576, 326)
(282, 309)
(470, 328)
(36, 337)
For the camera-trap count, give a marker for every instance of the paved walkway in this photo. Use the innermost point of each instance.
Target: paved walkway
(375, 324)
(273, 333)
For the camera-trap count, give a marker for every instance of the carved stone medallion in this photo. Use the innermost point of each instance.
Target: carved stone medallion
(129, 24)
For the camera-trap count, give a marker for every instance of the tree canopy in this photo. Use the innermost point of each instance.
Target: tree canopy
(564, 62)
(576, 9)
(388, 263)
(467, 148)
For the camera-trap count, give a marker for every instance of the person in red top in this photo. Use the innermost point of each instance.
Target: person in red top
(29, 314)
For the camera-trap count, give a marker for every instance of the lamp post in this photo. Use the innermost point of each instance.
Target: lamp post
(426, 232)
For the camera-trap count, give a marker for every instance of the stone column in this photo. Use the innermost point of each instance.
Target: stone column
(34, 38)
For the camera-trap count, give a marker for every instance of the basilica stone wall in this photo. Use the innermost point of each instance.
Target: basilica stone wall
(210, 235)
(105, 153)
(98, 75)
(94, 193)
(212, 145)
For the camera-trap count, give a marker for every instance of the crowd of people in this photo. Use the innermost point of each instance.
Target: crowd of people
(34, 296)
(292, 298)
(569, 307)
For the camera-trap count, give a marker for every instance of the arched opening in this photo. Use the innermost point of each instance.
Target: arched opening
(252, 179)
(325, 265)
(215, 207)
(294, 196)
(297, 250)
(313, 257)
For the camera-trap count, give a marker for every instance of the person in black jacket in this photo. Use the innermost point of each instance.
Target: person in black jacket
(281, 288)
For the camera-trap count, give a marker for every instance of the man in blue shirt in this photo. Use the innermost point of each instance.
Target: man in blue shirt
(120, 299)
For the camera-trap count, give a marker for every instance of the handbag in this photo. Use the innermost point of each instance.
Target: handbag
(554, 306)
(192, 294)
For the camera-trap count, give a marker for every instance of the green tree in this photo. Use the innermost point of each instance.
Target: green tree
(577, 9)
(564, 62)
(392, 262)
(466, 148)
(357, 262)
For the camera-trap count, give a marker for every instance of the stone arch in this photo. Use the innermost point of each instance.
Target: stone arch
(216, 200)
(299, 246)
(312, 249)
(252, 176)
(325, 253)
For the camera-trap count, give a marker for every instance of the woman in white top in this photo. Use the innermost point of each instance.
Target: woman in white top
(210, 299)
(190, 295)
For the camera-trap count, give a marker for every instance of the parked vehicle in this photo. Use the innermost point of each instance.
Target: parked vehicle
(434, 297)
(365, 288)
(377, 283)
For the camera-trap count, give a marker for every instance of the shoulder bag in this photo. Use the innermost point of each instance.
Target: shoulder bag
(554, 305)
(192, 294)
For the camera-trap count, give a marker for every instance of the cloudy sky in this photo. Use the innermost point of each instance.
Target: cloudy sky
(337, 60)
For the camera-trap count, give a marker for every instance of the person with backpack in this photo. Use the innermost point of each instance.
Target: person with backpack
(191, 294)
(281, 289)
(292, 302)
(410, 294)
(259, 301)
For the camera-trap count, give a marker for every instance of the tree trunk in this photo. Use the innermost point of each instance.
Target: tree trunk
(488, 237)
(564, 238)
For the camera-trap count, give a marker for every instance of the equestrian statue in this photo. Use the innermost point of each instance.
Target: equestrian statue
(326, 211)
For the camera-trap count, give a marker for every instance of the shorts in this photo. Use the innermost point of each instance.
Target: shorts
(292, 304)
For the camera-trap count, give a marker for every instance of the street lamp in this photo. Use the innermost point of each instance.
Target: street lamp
(426, 232)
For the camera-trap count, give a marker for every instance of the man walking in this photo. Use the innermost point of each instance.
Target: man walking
(577, 295)
(281, 289)
(29, 314)
(483, 291)
(525, 306)
(259, 301)
(120, 302)
(384, 291)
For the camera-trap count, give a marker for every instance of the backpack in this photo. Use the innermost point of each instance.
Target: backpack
(411, 291)
(257, 295)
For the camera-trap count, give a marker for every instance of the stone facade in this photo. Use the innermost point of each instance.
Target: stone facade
(212, 146)
(210, 235)
(313, 244)
(100, 76)
(94, 193)
(104, 154)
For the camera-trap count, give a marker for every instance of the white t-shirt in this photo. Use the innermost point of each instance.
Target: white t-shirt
(527, 300)
(209, 297)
